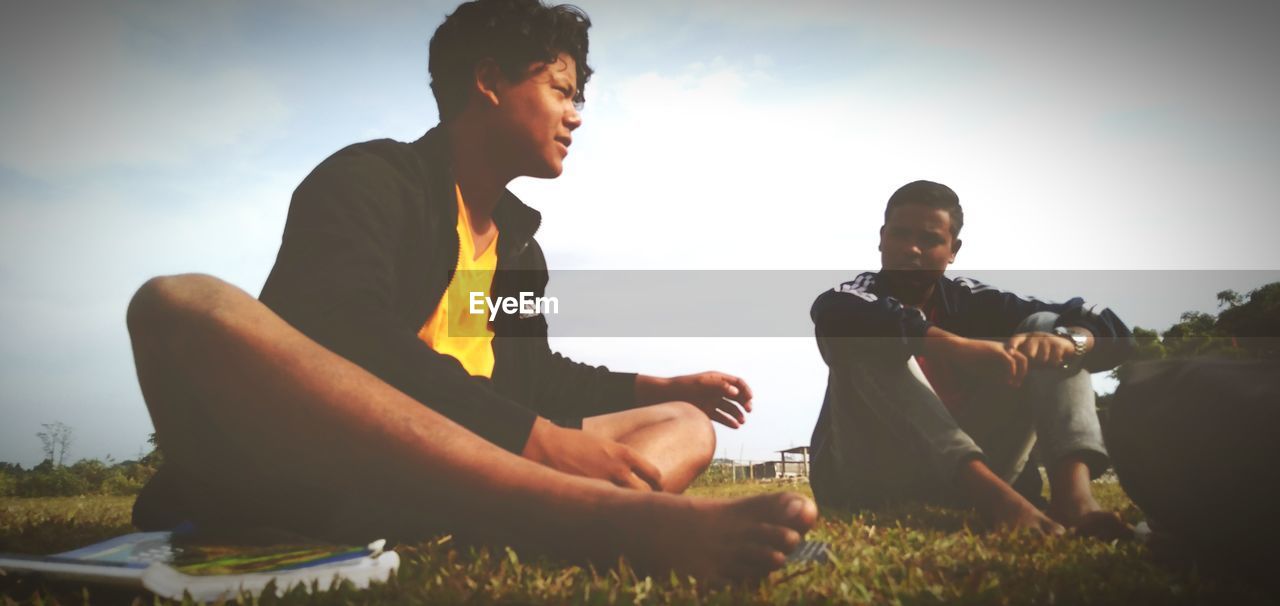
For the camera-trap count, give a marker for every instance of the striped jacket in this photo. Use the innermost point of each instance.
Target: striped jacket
(862, 308)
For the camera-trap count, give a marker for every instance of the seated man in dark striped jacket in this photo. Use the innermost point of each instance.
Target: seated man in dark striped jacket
(939, 387)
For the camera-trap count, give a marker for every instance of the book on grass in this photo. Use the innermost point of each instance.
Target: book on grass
(170, 564)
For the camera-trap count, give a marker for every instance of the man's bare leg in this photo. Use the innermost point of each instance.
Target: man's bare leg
(675, 436)
(1071, 502)
(266, 393)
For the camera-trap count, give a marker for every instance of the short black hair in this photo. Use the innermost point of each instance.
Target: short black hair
(931, 195)
(514, 33)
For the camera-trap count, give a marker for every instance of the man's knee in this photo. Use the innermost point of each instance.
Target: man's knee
(160, 304)
(1041, 321)
(695, 424)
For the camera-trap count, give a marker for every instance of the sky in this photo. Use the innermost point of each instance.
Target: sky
(1132, 142)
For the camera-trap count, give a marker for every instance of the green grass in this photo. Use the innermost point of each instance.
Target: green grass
(909, 555)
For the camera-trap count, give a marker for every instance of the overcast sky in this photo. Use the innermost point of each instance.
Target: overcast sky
(143, 138)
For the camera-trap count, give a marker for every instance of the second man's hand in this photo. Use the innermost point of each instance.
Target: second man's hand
(989, 358)
(724, 398)
(576, 452)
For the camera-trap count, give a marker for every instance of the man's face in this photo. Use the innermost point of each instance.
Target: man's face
(536, 118)
(916, 244)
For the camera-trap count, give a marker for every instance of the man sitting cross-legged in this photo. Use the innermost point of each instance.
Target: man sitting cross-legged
(429, 417)
(939, 388)
(266, 429)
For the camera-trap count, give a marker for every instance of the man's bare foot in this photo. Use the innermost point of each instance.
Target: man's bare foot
(1013, 512)
(1073, 505)
(1000, 506)
(1090, 520)
(716, 540)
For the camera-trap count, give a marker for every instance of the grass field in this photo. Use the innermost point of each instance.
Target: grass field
(911, 555)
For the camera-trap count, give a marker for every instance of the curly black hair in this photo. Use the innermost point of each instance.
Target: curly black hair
(514, 33)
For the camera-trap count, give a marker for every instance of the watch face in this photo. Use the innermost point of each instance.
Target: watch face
(1078, 339)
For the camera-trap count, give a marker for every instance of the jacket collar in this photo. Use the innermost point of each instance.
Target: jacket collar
(517, 222)
(941, 292)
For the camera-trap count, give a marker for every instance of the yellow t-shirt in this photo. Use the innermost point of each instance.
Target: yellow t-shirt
(473, 274)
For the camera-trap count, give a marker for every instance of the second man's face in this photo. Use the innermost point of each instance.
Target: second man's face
(539, 117)
(916, 244)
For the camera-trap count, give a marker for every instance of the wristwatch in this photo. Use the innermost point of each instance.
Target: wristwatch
(1076, 337)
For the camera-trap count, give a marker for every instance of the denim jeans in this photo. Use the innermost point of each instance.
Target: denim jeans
(889, 438)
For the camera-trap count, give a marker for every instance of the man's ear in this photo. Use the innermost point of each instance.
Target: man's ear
(880, 245)
(487, 78)
(955, 248)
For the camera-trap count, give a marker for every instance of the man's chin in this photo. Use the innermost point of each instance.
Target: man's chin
(911, 277)
(546, 171)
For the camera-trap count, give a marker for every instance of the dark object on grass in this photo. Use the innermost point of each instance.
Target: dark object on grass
(818, 552)
(1195, 443)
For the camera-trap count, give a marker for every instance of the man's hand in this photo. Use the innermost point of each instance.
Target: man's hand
(989, 358)
(576, 452)
(1043, 349)
(726, 399)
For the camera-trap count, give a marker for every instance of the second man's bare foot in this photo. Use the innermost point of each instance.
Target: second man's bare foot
(1090, 520)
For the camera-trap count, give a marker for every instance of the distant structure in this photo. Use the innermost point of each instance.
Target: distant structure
(792, 465)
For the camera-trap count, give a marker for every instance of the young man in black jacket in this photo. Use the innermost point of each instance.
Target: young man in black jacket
(358, 403)
(939, 387)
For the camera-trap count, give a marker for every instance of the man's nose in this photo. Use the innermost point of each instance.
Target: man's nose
(573, 119)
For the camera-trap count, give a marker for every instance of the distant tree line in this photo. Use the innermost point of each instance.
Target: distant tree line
(1248, 327)
(51, 478)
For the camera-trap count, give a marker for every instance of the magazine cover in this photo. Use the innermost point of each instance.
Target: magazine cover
(169, 565)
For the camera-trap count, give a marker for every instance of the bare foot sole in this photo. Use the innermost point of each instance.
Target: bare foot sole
(719, 540)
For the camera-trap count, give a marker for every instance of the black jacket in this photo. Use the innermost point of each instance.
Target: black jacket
(862, 308)
(370, 246)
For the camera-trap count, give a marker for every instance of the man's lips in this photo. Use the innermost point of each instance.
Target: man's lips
(566, 142)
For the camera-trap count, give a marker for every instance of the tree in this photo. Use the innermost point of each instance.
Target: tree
(1229, 299)
(154, 458)
(1254, 325)
(55, 441)
(1249, 327)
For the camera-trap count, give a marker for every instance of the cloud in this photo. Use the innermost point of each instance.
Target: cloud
(749, 163)
(84, 91)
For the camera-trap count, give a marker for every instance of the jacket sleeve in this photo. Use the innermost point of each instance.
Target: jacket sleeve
(335, 280)
(566, 389)
(996, 314)
(867, 325)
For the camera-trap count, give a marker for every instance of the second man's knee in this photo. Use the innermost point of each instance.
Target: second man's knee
(697, 426)
(1041, 321)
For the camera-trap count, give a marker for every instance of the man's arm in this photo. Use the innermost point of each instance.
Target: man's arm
(996, 314)
(724, 398)
(853, 321)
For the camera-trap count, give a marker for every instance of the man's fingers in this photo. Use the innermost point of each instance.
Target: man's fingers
(632, 481)
(1057, 357)
(1044, 353)
(1019, 368)
(730, 409)
(744, 391)
(720, 417)
(644, 469)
